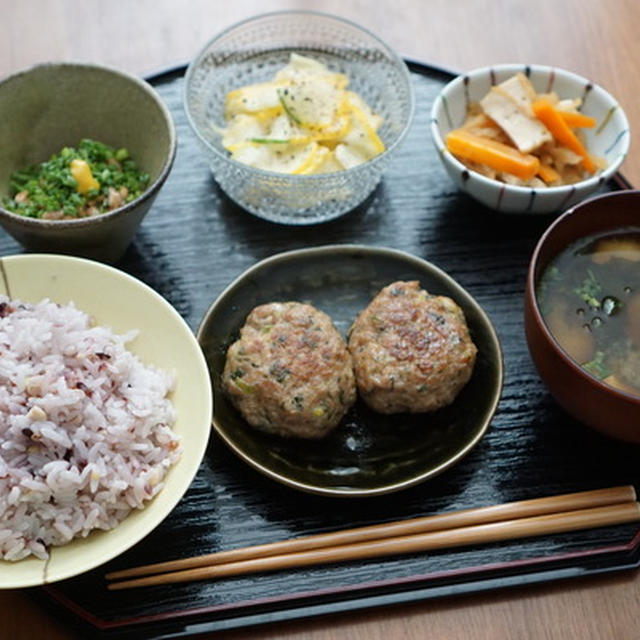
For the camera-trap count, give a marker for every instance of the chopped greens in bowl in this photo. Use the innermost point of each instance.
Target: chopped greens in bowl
(76, 183)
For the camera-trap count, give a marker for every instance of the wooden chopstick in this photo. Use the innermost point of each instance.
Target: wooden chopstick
(471, 526)
(448, 538)
(451, 520)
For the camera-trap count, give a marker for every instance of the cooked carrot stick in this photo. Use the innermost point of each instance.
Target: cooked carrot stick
(561, 131)
(496, 155)
(577, 120)
(547, 173)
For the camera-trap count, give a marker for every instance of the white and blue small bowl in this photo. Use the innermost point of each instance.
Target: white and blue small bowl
(609, 139)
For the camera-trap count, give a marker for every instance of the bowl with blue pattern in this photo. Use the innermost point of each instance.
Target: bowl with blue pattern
(608, 140)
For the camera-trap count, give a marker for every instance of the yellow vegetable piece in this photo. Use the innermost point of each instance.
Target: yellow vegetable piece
(313, 103)
(361, 117)
(496, 155)
(81, 172)
(327, 162)
(282, 158)
(262, 97)
(242, 127)
(302, 68)
(348, 156)
(309, 162)
(335, 132)
(318, 158)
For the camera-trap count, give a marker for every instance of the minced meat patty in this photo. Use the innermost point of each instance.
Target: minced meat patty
(411, 350)
(290, 372)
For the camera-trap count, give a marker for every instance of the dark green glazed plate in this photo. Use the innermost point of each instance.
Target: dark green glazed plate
(369, 453)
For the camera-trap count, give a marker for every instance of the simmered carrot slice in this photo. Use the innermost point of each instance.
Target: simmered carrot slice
(577, 120)
(496, 155)
(561, 131)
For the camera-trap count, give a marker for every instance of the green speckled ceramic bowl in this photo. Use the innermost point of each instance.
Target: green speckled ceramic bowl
(369, 453)
(50, 106)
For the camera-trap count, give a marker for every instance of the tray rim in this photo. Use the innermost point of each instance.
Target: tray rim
(485, 577)
(415, 588)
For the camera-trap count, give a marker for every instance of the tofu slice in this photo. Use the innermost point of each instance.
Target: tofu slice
(508, 108)
(521, 91)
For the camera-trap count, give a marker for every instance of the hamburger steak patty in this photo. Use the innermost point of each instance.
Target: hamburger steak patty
(290, 372)
(411, 350)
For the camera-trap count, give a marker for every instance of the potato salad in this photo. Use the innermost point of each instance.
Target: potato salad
(304, 121)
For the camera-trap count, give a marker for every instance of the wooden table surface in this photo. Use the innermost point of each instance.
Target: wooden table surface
(594, 38)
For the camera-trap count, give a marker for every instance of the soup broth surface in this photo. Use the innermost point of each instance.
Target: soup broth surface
(589, 296)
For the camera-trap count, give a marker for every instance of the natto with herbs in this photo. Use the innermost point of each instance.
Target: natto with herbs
(81, 182)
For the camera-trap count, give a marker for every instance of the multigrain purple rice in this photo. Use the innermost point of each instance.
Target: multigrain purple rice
(85, 428)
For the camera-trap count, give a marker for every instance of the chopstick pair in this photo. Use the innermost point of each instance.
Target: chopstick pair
(539, 516)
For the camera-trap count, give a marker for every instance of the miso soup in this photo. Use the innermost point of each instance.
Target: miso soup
(589, 296)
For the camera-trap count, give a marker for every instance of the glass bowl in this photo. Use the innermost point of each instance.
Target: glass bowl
(252, 51)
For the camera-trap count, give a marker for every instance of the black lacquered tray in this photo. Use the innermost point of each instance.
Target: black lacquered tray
(192, 244)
